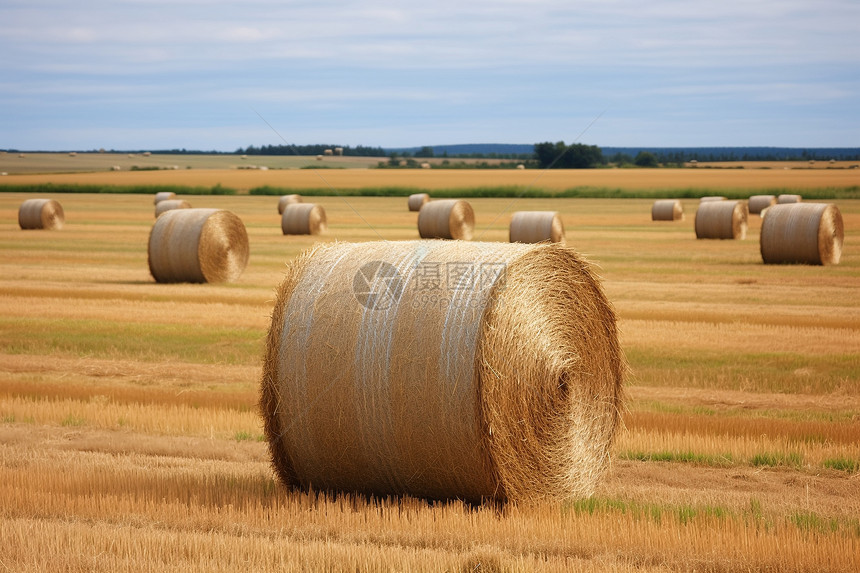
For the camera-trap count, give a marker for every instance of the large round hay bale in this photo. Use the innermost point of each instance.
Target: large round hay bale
(709, 198)
(197, 246)
(170, 204)
(303, 219)
(442, 370)
(758, 203)
(722, 220)
(41, 214)
(164, 196)
(287, 200)
(417, 200)
(446, 219)
(667, 210)
(536, 227)
(786, 198)
(806, 233)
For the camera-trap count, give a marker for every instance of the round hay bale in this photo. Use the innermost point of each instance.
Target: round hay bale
(197, 246)
(164, 196)
(722, 220)
(667, 210)
(758, 203)
(446, 219)
(710, 198)
(41, 214)
(507, 385)
(287, 200)
(787, 198)
(536, 227)
(804, 233)
(169, 204)
(303, 219)
(417, 200)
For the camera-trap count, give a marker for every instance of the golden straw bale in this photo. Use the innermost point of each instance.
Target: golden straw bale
(712, 198)
(164, 196)
(287, 200)
(303, 219)
(417, 200)
(169, 204)
(667, 210)
(806, 233)
(535, 227)
(197, 246)
(505, 383)
(446, 219)
(41, 214)
(722, 220)
(788, 198)
(758, 203)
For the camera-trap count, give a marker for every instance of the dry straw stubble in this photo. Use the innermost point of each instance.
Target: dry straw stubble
(667, 210)
(536, 227)
(446, 219)
(506, 385)
(45, 214)
(287, 200)
(721, 220)
(170, 204)
(303, 219)
(417, 200)
(197, 246)
(805, 233)
(758, 203)
(164, 196)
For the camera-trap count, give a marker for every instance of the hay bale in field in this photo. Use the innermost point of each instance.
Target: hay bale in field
(41, 214)
(338, 150)
(788, 198)
(327, 152)
(521, 166)
(319, 157)
(805, 233)
(418, 200)
(287, 200)
(446, 219)
(169, 205)
(758, 203)
(509, 388)
(303, 219)
(197, 246)
(709, 198)
(722, 220)
(667, 210)
(536, 227)
(425, 165)
(164, 196)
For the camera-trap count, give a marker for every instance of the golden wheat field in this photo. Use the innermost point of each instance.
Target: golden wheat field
(130, 438)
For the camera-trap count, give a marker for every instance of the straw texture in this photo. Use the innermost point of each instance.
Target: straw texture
(287, 200)
(417, 200)
(536, 227)
(785, 199)
(805, 233)
(442, 370)
(446, 219)
(41, 214)
(169, 204)
(303, 219)
(667, 210)
(197, 246)
(712, 198)
(164, 196)
(759, 203)
(722, 220)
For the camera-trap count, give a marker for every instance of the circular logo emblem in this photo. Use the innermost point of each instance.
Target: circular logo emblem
(377, 285)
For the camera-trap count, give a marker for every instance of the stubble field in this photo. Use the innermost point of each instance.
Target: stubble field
(130, 440)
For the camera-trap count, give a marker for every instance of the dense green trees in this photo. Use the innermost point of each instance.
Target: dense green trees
(574, 156)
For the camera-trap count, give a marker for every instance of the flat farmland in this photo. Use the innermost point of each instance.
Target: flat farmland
(130, 438)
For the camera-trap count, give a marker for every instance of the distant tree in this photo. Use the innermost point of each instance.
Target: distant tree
(645, 159)
(560, 156)
(425, 151)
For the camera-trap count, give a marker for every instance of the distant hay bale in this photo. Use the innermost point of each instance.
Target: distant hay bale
(804, 233)
(169, 205)
(417, 200)
(147, 153)
(164, 196)
(41, 214)
(73, 154)
(338, 150)
(116, 168)
(197, 246)
(758, 203)
(21, 155)
(536, 227)
(785, 199)
(328, 152)
(446, 219)
(710, 198)
(521, 166)
(303, 219)
(722, 220)
(509, 389)
(425, 165)
(287, 200)
(667, 210)
(319, 157)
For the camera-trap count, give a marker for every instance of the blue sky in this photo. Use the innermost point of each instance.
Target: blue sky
(195, 74)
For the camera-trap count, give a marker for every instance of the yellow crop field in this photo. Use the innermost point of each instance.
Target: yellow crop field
(130, 437)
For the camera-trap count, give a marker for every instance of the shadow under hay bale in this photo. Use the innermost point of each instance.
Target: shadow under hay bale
(287, 200)
(417, 200)
(446, 219)
(505, 386)
(197, 246)
(169, 205)
(44, 214)
(164, 196)
(721, 220)
(536, 227)
(758, 203)
(667, 210)
(802, 233)
(303, 219)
